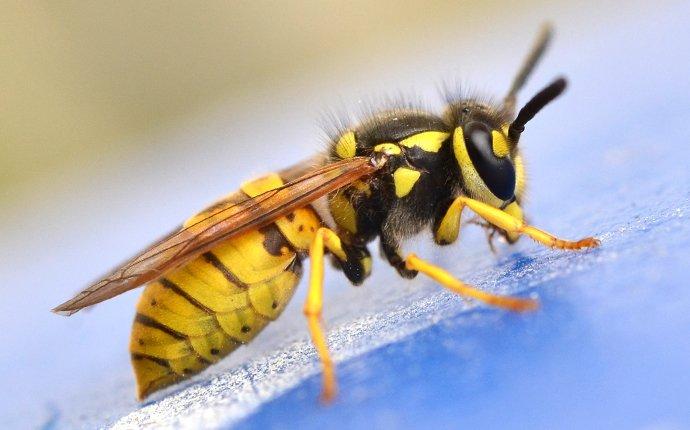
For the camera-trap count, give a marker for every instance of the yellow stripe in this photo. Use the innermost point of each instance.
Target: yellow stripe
(346, 146)
(404, 180)
(214, 277)
(212, 346)
(270, 298)
(429, 141)
(520, 176)
(174, 311)
(205, 294)
(500, 144)
(247, 259)
(242, 325)
(187, 365)
(151, 376)
(299, 228)
(343, 212)
(257, 186)
(388, 148)
(156, 343)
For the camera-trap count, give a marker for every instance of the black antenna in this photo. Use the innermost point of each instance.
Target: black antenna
(536, 53)
(537, 103)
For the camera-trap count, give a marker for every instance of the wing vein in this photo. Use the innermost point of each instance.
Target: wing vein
(217, 224)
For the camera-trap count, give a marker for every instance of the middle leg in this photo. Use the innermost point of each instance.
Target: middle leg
(412, 262)
(324, 239)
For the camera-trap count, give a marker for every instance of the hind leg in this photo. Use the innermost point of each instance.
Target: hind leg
(324, 239)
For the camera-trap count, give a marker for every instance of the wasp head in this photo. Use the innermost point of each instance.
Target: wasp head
(485, 145)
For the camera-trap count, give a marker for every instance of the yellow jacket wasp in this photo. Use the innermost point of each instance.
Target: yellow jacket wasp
(215, 282)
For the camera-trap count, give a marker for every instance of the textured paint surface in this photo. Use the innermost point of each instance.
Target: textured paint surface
(608, 349)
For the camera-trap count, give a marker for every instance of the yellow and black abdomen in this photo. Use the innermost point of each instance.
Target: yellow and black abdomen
(198, 313)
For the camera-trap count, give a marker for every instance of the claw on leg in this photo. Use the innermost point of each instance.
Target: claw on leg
(318, 337)
(449, 281)
(489, 231)
(549, 240)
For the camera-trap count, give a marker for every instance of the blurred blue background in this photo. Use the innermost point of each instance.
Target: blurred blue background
(120, 121)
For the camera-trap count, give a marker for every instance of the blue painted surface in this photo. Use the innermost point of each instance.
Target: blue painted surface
(608, 349)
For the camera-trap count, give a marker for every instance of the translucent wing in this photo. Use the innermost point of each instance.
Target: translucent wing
(223, 220)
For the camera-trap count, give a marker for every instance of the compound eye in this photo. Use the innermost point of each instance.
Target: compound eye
(497, 173)
(478, 134)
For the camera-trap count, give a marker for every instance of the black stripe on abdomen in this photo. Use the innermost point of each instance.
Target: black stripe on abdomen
(211, 258)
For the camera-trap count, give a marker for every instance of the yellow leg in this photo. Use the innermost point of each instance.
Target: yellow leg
(444, 278)
(324, 238)
(513, 225)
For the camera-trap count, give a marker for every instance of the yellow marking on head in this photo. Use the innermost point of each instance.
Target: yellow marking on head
(346, 147)
(388, 148)
(520, 176)
(429, 141)
(500, 144)
(404, 179)
(472, 182)
(343, 212)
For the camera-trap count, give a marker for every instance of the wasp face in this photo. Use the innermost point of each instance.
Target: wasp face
(485, 144)
(484, 155)
(488, 151)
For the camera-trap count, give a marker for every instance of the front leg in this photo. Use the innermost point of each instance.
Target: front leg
(357, 265)
(513, 209)
(489, 230)
(512, 225)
